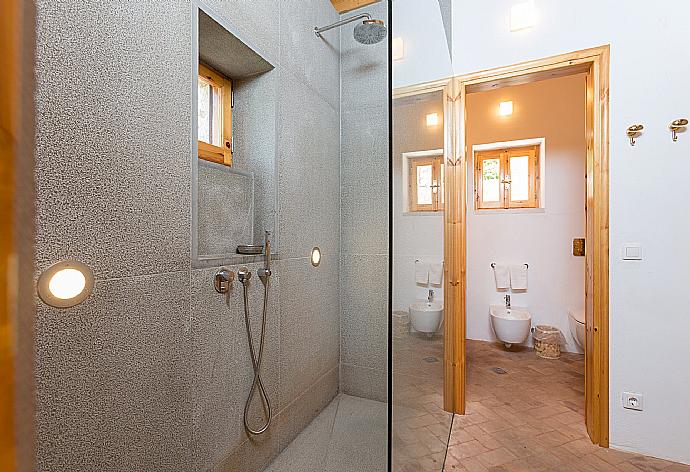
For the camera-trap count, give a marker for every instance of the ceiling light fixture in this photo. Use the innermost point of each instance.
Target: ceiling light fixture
(432, 119)
(523, 16)
(398, 49)
(505, 108)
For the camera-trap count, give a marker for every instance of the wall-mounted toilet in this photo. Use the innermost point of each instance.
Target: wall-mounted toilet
(576, 321)
(426, 316)
(511, 324)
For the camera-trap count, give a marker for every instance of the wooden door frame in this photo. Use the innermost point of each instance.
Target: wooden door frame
(595, 62)
(17, 45)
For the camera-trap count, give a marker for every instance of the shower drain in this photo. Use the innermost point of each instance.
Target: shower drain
(430, 359)
(498, 370)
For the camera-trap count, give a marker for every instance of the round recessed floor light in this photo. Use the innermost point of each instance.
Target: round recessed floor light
(65, 284)
(316, 256)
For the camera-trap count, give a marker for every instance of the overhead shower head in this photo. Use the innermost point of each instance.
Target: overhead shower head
(370, 32)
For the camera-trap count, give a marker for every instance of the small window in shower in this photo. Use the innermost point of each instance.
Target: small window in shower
(424, 181)
(507, 178)
(214, 117)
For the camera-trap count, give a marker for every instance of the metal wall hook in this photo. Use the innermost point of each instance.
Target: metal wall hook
(633, 132)
(676, 126)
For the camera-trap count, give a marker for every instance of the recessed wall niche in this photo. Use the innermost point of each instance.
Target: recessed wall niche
(233, 131)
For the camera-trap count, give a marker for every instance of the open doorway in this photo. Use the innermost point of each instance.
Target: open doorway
(460, 174)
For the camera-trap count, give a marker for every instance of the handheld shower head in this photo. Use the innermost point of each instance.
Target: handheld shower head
(370, 32)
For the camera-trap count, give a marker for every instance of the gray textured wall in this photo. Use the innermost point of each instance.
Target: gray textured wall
(364, 215)
(150, 373)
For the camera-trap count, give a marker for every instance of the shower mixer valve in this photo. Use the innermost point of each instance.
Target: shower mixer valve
(223, 280)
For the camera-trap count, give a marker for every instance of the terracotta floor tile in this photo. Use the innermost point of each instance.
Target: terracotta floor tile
(496, 457)
(530, 419)
(467, 449)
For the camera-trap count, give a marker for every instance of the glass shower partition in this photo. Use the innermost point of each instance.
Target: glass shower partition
(420, 424)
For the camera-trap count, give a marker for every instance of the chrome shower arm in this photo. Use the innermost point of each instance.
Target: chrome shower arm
(318, 31)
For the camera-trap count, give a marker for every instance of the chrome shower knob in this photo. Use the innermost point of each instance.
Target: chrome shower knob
(243, 275)
(223, 280)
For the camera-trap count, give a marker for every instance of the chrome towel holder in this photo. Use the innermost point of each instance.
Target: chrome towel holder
(493, 265)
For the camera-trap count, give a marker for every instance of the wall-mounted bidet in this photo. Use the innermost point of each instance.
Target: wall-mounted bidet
(576, 320)
(511, 324)
(426, 316)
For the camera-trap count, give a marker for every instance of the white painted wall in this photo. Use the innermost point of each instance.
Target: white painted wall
(427, 58)
(650, 194)
(555, 110)
(415, 235)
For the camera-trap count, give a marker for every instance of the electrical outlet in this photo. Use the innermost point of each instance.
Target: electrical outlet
(633, 401)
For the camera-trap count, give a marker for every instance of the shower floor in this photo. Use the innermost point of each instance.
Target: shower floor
(349, 435)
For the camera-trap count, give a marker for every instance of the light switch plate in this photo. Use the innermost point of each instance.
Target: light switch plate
(633, 401)
(632, 252)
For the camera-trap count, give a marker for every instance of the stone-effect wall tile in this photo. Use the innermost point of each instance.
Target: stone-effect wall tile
(297, 415)
(364, 212)
(222, 370)
(112, 378)
(364, 318)
(308, 171)
(113, 119)
(364, 382)
(316, 61)
(364, 186)
(225, 209)
(254, 132)
(364, 68)
(255, 22)
(309, 324)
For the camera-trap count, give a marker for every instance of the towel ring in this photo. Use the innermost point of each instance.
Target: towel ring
(493, 265)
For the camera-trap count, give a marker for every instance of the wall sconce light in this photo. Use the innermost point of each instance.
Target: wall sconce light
(316, 256)
(505, 108)
(65, 284)
(523, 15)
(398, 49)
(432, 119)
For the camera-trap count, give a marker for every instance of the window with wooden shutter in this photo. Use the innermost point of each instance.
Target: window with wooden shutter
(507, 178)
(425, 181)
(214, 116)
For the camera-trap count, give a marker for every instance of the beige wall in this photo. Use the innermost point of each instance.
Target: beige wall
(554, 110)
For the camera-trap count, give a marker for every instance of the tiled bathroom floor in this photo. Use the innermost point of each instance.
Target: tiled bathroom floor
(528, 419)
(420, 425)
(349, 435)
(531, 418)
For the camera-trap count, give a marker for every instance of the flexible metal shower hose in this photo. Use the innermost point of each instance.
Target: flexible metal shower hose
(256, 362)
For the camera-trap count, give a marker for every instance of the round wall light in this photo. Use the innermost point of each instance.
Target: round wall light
(316, 256)
(65, 284)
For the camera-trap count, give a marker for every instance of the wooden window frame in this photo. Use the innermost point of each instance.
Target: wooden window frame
(209, 152)
(436, 163)
(504, 155)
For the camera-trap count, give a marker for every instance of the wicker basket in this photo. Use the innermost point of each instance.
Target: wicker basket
(547, 341)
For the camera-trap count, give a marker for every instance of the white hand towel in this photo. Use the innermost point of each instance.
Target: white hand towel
(421, 272)
(436, 273)
(518, 277)
(502, 277)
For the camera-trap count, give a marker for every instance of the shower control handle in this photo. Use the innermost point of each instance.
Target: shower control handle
(223, 280)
